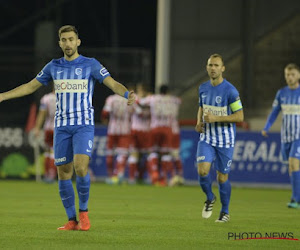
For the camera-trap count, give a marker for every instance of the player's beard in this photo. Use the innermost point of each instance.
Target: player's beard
(214, 76)
(292, 83)
(69, 52)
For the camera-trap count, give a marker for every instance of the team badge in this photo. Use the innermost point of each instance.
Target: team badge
(78, 71)
(218, 99)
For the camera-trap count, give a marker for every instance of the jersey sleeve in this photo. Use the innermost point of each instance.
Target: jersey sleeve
(44, 76)
(43, 103)
(99, 72)
(276, 108)
(234, 100)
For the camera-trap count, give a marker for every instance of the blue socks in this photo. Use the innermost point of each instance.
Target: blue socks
(205, 184)
(83, 189)
(225, 192)
(67, 195)
(295, 180)
(224, 189)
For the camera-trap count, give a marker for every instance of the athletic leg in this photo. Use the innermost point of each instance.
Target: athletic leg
(63, 153)
(83, 146)
(223, 164)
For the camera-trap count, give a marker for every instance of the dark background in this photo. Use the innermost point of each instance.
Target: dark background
(256, 38)
(101, 24)
(135, 19)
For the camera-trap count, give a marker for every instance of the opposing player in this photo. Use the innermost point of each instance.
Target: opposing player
(161, 134)
(118, 115)
(219, 109)
(177, 171)
(74, 77)
(287, 100)
(140, 137)
(46, 117)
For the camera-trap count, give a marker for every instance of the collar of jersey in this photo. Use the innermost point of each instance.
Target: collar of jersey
(218, 84)
(73, 61)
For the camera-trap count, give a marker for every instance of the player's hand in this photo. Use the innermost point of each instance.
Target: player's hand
(131, 98)
(264, 133)
(199, 127)
(209, 117)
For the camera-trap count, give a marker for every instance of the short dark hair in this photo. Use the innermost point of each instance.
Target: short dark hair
(292, 66)
(164, 89)
(67, 28)
(215, 56)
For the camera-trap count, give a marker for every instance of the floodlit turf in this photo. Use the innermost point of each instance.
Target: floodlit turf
(142, 217)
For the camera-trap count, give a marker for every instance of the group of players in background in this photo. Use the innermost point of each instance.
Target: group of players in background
(143, 138)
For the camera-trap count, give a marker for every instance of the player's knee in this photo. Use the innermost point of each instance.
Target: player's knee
(222, 177)
(81, 170)
(81, 165)
(202, 171)
(65, 172)
(294, 166)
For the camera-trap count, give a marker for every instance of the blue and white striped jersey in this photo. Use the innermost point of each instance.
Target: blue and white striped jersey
(287, 100)
(74, 86)
(220, 100)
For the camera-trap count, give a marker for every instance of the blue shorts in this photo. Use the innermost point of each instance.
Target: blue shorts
(222, 157)
(290, 149)
(71, 140)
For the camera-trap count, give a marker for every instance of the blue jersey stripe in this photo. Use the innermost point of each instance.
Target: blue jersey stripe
(70, 115)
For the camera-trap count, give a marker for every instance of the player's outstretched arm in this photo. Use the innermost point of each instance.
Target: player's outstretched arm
(22, 90)
(119, 89)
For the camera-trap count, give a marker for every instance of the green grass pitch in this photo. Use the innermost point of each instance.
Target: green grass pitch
(142, 217)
